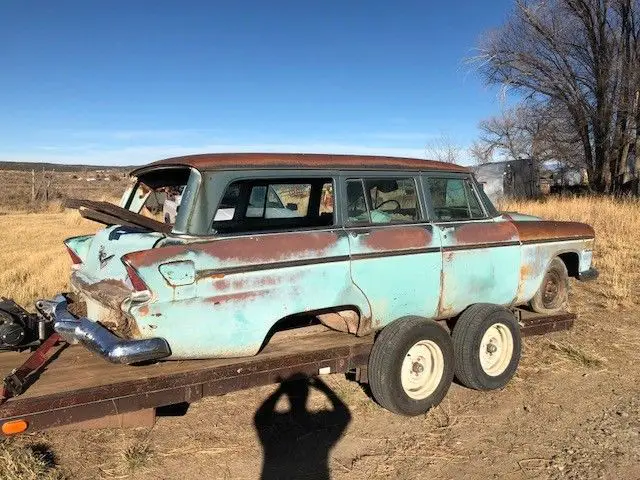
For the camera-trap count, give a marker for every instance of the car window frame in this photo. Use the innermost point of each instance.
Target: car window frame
(275, 177)
(381, 175)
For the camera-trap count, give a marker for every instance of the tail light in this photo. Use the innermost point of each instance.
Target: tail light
(136, 282)
(75, 259)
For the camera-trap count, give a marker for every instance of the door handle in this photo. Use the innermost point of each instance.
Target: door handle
(359, 233)
(446, 230)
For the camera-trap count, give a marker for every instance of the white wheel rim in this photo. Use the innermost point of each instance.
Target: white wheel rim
(422, 369)
(496, 349)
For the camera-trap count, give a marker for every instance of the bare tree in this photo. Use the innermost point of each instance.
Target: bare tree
(532, 132)
(481, 152)
(444, 149)
(581, 55)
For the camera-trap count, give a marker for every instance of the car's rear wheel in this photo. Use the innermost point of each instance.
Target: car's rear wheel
(411, 366)
(553, 295)
(486, 344)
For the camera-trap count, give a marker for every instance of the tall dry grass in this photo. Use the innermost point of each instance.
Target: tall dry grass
(617, 249)
(33, 260)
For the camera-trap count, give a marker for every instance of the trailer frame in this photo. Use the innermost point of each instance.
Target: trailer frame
(110, 394)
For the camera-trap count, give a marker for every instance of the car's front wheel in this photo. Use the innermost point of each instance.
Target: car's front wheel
(411, 366)
(553, 295)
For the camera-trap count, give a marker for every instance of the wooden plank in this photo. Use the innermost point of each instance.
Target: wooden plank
(79, 373)
(109, 210)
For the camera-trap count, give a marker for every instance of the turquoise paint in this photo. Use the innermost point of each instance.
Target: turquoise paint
(230, 314)
(397, 285)
(535, 260)
(477, 275)
(178, 274)
(79, 245)
(110, 244)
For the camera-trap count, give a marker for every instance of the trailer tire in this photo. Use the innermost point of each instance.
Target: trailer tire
(487, 346)
(553, 294)
(411, 366)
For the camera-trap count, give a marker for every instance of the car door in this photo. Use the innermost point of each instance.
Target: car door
(395, 253)
(480, 255)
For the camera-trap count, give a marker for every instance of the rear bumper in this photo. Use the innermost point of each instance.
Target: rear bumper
(98, 339)
(587, 275)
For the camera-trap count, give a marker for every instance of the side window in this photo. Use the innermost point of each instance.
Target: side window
(228, 204)
(382, 200)
(356, 204)
(454, 199)
(263, 204)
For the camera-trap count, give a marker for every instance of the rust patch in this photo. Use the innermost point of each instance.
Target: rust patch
(143, 310)
(343, 321)
(398, 238)
(365, 326)
(444, 310)
(525, 272)
(299, 160)
(485, 232)
(247, 250)
(234, 297)
(108, 292)
(549, 230)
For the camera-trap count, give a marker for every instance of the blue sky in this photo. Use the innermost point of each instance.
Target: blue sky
(130, 81)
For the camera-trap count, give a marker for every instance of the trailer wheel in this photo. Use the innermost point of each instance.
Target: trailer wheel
(411, 366)
(486, 342)
(553, 294)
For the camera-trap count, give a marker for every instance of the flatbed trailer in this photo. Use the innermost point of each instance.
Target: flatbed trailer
(78, 387)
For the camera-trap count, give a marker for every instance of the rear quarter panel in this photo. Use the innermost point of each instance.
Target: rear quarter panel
(243, 286)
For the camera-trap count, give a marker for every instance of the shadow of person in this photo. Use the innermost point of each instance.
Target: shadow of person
(297, 442)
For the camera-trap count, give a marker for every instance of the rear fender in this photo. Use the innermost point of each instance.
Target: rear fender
(79, 245)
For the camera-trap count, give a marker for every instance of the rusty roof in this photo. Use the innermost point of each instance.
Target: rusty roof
(220, 161)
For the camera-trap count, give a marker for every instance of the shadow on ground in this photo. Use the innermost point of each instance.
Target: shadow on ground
(296, 443)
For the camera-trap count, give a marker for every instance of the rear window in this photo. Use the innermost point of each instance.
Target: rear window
(275, 204)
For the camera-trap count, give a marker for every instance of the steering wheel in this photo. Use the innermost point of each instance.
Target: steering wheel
(397, 209)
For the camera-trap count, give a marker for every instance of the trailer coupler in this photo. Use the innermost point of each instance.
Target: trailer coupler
(19, 329)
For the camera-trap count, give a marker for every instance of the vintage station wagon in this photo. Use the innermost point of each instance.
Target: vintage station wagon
(363, 244)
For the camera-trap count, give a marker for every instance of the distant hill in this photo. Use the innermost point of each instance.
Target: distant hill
(58, 167)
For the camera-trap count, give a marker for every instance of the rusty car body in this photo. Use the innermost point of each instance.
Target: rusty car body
(354, 241)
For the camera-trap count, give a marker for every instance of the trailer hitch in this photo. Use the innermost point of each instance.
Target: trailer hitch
(16, 382)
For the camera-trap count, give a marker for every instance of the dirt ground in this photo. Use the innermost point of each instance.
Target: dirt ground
(572, 411)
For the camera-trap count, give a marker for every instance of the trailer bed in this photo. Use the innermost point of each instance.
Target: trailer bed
(77, 385)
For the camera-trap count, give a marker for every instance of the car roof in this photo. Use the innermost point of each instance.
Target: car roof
(227, 161)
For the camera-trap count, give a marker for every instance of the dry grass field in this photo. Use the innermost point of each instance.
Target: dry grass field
(572, 411)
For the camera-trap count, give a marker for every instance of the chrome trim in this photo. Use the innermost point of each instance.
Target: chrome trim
(98, 339)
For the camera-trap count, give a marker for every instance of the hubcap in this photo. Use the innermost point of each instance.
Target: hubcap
(422, 369)
(496, 349)
(551, 289)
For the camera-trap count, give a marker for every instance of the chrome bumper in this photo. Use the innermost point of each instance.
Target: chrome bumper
(97, 338)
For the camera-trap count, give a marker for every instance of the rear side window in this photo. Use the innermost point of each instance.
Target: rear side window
(382, 200)
(265, 204)
(454, 199)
